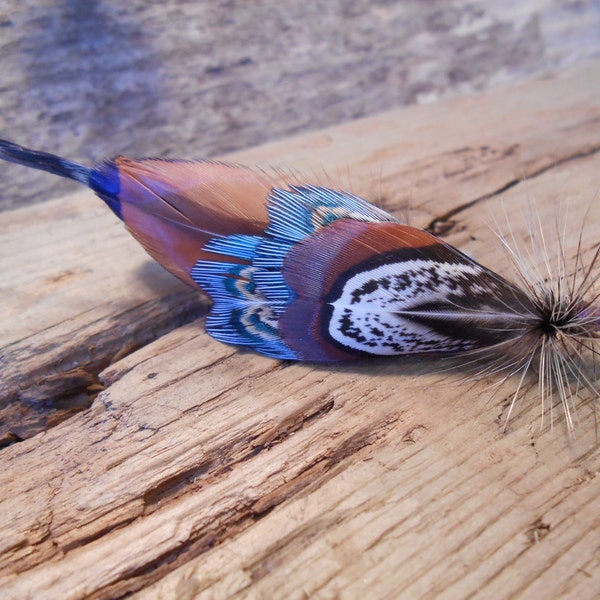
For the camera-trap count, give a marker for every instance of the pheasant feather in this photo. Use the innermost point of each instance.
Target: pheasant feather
(304, 272)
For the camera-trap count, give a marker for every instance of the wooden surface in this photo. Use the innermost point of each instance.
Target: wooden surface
(203, 471)
(198, 78)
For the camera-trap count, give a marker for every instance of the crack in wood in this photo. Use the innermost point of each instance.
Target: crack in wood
(37, 399)
(218, 463)
(318, 468)
(230, 522)
(444, 224)
(261, 508)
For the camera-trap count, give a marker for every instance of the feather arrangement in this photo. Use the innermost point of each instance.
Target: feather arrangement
(303, 272)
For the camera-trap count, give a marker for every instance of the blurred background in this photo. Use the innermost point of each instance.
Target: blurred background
(199, 78)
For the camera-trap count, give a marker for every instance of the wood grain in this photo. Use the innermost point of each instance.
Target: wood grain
(203, 471)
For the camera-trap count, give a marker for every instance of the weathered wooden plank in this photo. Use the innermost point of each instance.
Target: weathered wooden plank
(220, 473)
(76, 294)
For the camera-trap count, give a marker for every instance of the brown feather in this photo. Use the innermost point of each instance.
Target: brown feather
(174, 207)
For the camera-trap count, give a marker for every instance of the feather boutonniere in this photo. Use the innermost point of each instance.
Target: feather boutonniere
(303, 272)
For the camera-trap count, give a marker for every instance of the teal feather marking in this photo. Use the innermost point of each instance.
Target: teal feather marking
(303, 210)
(250, 298)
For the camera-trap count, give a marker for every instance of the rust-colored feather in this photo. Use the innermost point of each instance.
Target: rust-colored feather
(174, 207)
